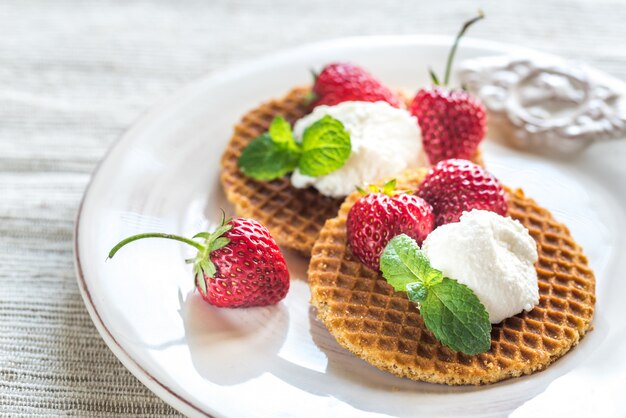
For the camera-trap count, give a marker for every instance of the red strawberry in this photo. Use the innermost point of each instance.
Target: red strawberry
(377, 217)
(342, 82)
(455, 186)
(453, 122)
(237, 266)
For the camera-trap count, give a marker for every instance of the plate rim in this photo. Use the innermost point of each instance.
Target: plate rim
(170, 396)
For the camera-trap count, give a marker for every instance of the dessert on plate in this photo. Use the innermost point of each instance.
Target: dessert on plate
(293, 215)
(290, 206)
(531, 277)
(267, 174)
(437, 272)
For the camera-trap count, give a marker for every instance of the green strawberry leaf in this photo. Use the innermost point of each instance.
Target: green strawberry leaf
(208, 267)
(454, 314)
(361, 191)
(280, 132)
(199, 279)
(218, 243)
(402, 262)
(264, 160)
(325, 147)
(433, 77)
(389, 187)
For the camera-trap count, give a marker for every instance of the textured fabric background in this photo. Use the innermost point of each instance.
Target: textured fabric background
(75, 74)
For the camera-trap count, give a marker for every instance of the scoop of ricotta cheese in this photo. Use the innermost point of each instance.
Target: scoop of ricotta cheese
(385, 141)
(491, 254)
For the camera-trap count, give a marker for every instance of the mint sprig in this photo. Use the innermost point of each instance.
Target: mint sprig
(264, 159)
(325, 148)
(280, 132)
(451, 310)
(457, 318)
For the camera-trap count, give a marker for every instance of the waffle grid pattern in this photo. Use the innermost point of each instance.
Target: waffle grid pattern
(293, 216)
(381, 326)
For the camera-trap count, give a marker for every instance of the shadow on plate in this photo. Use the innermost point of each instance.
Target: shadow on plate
(215, 336)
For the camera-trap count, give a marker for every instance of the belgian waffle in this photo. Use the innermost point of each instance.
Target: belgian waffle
(365, 315)
(293, 216)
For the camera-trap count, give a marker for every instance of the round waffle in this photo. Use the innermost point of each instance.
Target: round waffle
(365, 315)
(293, 216)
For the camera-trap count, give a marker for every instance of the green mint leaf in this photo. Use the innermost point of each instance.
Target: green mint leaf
(264, 160)
(402, 262)
(280, 132)
(454, 314)
(325, 147)
(416, 291)
(451, 311)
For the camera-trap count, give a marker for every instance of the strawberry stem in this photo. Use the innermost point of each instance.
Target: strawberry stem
(464, 28)
(130, 239)
(202, 264)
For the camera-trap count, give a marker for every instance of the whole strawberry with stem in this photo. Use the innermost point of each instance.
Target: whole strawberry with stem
(453, 122)
(455, 186)
(382, 214)
(343, 82)
(238, 265)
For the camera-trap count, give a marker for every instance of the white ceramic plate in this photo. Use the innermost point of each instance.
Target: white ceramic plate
(279, 361)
